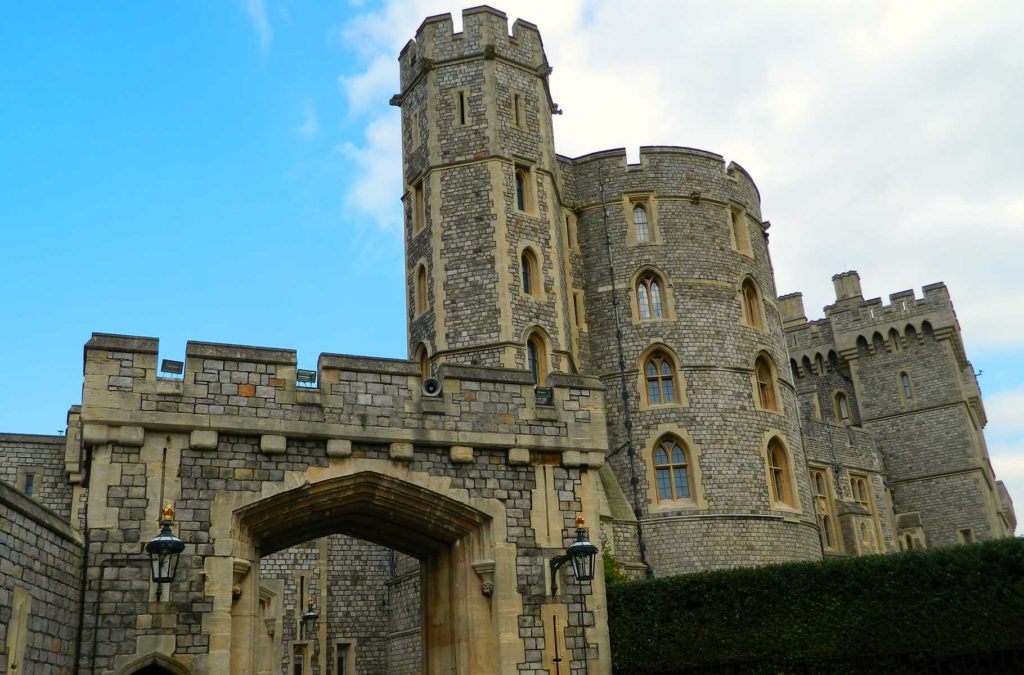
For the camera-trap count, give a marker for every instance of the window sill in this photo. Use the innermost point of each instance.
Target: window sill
(669, 505)
(663, 406)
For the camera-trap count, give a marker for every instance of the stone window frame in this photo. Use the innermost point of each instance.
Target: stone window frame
(965, 535)
(419, 206)
(537, 350)
(645, 199)
(517, 110)
(739, 230)
(861, 490)
(668, 313)
(460, 107)
(905, 387)
(894, 339)
(530, 261)
(758, 380)
(306, 649)
(839, 395)
(422, 358)
(697, 499)
(751, 312)
(414, 129)
(824, 506)
(21, 479)
(789, 499)
(523, 183)
(17, 633)
(678, 381)
(579, 310)
(419, 292)
(571, 221)
(350, 646)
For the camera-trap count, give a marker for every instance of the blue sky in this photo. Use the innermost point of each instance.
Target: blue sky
(229, 171)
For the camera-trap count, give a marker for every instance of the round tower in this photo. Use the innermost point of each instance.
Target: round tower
(679, 285)
(484, 252)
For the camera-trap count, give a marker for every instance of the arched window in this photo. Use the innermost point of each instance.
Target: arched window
(778, 473)
(820, 363)
(649, 297)
(751, 297)
(537, 357)
(659, 375)
(842, 408)
(421, 290)
(530, 273)
(640, 222)
(823, 506)
(423, 361)
(764, 375)
(521, 187)
(908, 393)
(672, 469)
(894, 338)
(794, 369)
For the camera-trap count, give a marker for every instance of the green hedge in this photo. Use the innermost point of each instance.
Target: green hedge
(951, 600)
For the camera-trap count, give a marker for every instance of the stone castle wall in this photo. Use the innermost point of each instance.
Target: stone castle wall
(691, 197)
(40, 580)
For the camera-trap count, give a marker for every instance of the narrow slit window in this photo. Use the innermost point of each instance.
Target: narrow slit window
(905, 384)
(462, 107)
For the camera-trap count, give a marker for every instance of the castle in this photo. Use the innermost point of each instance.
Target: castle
(588, 338)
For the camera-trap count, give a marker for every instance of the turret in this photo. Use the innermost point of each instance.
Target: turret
(485, 255)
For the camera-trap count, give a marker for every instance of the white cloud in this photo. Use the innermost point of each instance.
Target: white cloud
(257, 12)
(367, 90)
(310, 125)
(372, 193)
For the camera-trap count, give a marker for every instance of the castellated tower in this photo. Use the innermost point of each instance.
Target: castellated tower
(900, 372)
(677, 243)
(484, 254)
(507, 265)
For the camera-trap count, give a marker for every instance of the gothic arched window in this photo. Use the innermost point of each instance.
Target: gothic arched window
(672, 469)
(659, 376)
(649, 297)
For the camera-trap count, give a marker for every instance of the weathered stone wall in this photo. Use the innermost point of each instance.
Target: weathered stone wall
(405, 613)
(40, 580)
(43, 456)
(690, 196)
(238, 427)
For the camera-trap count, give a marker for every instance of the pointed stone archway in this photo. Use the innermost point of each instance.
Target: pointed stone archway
(460, 630)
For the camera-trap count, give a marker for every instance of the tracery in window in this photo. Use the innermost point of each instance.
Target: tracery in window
(672, 469)
(640, 223)
(660, 379)
(649, 297)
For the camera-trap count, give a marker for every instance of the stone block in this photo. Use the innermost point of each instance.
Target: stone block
(131, 436)
(401, 452)
(572, 458)
(518, 455)
(95, 434)
(203, 439)
(461, 454)
(273, 445)
(339, 447)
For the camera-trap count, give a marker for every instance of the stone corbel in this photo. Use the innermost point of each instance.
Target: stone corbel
(489, 52)
(485, 570)
(240, 568)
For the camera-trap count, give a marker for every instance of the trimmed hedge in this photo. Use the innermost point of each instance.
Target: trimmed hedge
(952, 600)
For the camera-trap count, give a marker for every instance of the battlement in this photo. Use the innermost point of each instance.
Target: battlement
(485, 34)
(245, 389)
(852, 317)
(668, 170)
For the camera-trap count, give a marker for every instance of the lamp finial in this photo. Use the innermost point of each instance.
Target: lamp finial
(168, 513)
(580, 522)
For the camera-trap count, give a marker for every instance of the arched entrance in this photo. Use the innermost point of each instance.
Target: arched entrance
(155, 664)
(452, 540)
